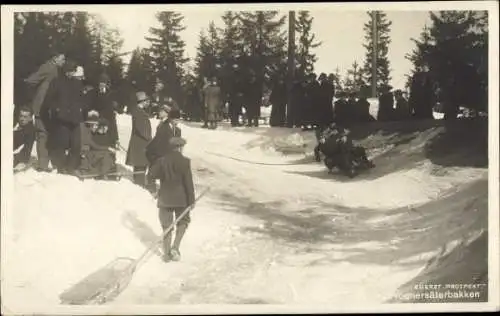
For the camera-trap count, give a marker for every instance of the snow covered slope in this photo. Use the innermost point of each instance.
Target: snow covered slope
(269, 205)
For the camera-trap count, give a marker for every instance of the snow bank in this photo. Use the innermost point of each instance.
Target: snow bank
(63, 229)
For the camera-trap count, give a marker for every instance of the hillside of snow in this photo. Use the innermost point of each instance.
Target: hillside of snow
(275, 227)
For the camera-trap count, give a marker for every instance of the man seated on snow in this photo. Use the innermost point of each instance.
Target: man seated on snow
(336, 144)
(24, 137)
(98, 153)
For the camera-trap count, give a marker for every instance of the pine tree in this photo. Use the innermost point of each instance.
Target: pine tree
(205, 58)
(306, 42)
(455, 50)
(208, 59)
(353, 81)
(167, 49)
(337, 81)
(230, 50)
(80, 46)
(383, 41)
(264, 44)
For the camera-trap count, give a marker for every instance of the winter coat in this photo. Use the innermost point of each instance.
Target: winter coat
(278, 100)
(159, 146)
(362, 110)
(325, 106)
(88, 140)
(176, 180)
(67, 101)
(385, 107)
(42, 79)
(104, 104)
(213, 99)
(141, 136)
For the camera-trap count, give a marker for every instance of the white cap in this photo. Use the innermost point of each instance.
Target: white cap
(79, 72)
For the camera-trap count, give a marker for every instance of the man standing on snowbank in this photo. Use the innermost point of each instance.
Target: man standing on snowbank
(42, 80)
(140, 138)
(175, 195)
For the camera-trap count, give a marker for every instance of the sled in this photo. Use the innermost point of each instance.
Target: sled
(108, 282)
(118, 174)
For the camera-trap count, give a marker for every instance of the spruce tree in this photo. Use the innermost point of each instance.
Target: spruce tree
(264, 43)
(383, 40)
(205, 58)
(454, 48)
(337, 81)
(306, 42)
(230, 51)
(167, 52)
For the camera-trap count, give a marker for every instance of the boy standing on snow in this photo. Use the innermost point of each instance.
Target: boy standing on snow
(175, 195)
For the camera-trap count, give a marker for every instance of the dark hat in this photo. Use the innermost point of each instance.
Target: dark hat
(322, 76)
(386, 88)
(104, 78)
(176, 142)
(174, 113)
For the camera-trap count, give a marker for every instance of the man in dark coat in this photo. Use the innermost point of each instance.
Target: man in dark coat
(253, 100)
(362, 109)
(175, 195)
(312, 108)
(67, 112)
(402, 111)
(326, 93)
(42, 80)
(140, 138)
(236, 99)
(106, 105)
(341, 108)
(422, 96)
(385, 105)
(24, 137)
(278, 99)
(158, 147)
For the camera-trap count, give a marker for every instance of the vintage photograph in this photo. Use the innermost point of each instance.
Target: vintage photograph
(260, 156)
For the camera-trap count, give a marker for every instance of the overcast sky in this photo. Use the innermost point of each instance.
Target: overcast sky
(341, 33)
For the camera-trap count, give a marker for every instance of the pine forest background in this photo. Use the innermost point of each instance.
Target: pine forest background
(250, 44)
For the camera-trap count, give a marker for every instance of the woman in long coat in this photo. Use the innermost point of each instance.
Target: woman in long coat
(140, 138)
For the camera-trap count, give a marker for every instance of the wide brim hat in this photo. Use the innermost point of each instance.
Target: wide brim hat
(141, 96)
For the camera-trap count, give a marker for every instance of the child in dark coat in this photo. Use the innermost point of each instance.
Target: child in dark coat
(175, 195)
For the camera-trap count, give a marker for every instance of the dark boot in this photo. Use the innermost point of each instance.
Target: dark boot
(167, 241)
(179, 234)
